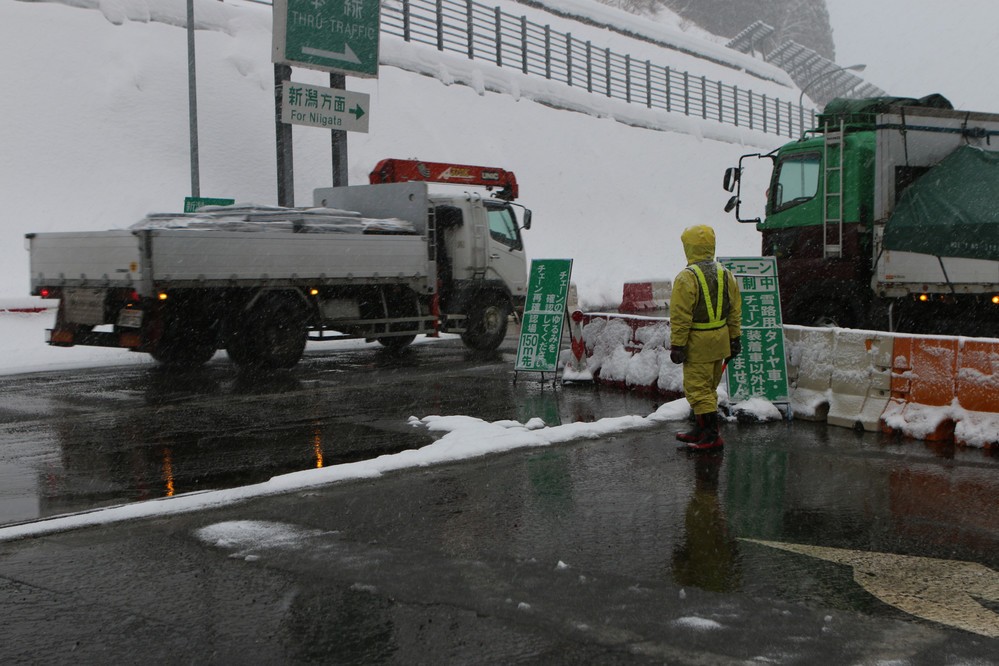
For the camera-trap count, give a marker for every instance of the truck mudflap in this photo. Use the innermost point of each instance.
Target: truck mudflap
(69, 336)
(81, 310)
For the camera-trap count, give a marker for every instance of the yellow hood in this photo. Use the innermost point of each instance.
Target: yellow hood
(698, 243)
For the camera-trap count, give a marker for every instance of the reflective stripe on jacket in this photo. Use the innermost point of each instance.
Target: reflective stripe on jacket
(712, 307)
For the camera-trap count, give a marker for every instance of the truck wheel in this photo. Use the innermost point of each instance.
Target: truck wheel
(188, 341)
(271, 336)
(397, 342)
(485, 327)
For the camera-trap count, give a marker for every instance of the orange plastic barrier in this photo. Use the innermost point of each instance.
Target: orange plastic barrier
(924, 373)
(978, 376)
(945, 389)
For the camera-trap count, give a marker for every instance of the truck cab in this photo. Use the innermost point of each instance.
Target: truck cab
(818, 225)
(881, 217)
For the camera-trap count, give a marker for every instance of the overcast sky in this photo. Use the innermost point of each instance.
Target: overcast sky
(916, 47)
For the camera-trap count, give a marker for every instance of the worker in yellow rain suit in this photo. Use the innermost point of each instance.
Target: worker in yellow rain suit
(705, 330)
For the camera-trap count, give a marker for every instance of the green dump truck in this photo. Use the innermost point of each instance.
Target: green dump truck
(886, 216)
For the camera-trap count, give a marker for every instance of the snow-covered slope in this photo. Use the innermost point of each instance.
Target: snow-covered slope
(95, 134)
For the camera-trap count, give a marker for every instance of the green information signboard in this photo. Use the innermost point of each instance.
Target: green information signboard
(192, 204)
(760, 370)
(544, 315)
(330, 35)
(316, 106)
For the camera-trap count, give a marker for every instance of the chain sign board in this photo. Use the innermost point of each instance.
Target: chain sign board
(544, 315)
(760, 370)
(329, 108)
(192, 204)
(339, 36)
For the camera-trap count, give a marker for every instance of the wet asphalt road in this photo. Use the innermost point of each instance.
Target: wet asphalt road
(616, 550)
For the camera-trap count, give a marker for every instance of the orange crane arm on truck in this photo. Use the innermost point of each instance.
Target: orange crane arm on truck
(399, 171)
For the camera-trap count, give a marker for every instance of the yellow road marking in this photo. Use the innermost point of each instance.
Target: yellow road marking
(943, 591)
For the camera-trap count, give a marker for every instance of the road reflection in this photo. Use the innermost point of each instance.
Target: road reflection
(707, 556)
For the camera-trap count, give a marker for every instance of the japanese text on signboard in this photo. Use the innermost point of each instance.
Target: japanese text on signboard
(760, 370)
(544, 315)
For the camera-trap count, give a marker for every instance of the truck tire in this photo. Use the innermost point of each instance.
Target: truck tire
(187, 341)
(396, 342)
(486, 324)
(271, 335)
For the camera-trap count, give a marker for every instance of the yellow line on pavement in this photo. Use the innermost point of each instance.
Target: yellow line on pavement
(944, 591)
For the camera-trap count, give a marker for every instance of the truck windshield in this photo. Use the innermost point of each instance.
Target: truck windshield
(796, 181)
(503, 226)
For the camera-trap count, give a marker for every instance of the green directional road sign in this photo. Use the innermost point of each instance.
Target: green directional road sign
(544, 314)
(192, 204)
(760, 370)
(330, 108)
(331, 35)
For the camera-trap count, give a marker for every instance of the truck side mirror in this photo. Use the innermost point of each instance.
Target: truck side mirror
(731, 178)
(527, 218)
(732, 203)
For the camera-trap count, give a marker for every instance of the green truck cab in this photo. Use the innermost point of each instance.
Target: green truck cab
(836, 196)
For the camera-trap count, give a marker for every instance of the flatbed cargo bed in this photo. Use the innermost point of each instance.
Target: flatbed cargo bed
(149, 259)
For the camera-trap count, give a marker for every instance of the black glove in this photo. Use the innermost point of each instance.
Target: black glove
(678, 355)
(735, 344)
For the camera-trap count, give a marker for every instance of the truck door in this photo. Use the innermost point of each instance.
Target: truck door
(506, 248)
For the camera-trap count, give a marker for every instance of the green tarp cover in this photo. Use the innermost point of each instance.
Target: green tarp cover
(952, 210)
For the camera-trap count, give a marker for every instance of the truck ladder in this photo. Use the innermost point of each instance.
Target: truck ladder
(832, 193)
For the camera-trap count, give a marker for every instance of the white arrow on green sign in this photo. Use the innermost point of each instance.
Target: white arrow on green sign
(329, 108)
(330, 35)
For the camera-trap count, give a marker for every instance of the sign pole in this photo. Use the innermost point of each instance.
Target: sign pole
(285, 173)
(192, 100)
(339, 139)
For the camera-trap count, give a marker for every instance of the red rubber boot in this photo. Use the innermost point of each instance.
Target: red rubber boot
(710, 438)
(694, 433)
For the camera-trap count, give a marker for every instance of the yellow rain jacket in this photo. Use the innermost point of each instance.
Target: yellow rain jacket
(704, 334)
(705, 314)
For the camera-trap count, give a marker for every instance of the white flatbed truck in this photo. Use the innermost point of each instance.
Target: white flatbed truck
(386, 261)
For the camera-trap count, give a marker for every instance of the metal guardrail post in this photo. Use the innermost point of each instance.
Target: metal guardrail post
(686, 93)
(568, 58)
(704, 98)
(669, 89)
(627, 78)
(406, 35)
(470, 29)
(548, 52)
(607, 62)
(648, 84)
(589, 67)
(498, 17)
(523, 43)
(440, 25)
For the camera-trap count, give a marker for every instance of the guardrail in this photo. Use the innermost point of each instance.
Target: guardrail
(488, 33)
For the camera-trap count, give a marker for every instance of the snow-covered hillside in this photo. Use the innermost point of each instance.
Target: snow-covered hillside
(95, 133)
